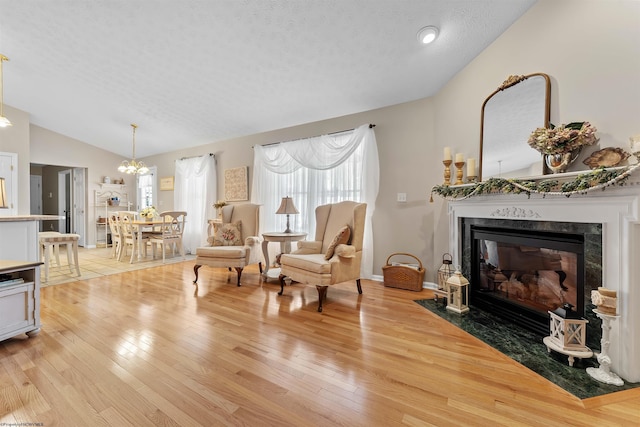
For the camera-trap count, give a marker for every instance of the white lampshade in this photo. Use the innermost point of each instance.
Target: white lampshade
(286, 208)
(4, 122)
(3, 194)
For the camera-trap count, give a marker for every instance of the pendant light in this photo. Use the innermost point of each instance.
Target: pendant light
(4, 122)
(133, 167)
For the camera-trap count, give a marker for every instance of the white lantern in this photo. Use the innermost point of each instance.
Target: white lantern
(567, 333)
(458, 293)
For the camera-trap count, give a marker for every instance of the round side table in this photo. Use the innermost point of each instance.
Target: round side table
(285, 240)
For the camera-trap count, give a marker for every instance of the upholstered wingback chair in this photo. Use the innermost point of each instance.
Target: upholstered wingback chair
(335, 254)
(234, 242)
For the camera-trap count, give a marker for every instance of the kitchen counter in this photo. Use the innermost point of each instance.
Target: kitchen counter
(19, 236)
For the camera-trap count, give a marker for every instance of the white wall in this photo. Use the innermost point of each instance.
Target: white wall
(589, 48)
(15, 139)
(51, 148)
(591, 51)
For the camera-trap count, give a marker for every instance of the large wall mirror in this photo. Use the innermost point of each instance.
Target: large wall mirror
(509, 115)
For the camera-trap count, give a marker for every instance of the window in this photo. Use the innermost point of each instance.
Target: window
(317, 171)
(147, 189)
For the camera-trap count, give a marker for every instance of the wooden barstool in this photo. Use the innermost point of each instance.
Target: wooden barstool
(53, 247)
(55, 240)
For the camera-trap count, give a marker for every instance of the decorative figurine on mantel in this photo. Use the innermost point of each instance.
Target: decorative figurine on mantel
(447, 166)
(459, 165)
(567, 333)
(606, 301)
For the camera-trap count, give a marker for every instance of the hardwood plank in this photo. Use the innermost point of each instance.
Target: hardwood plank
(147, 347)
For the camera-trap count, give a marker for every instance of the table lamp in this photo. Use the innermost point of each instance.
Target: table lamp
(3, 194)
(287, 208)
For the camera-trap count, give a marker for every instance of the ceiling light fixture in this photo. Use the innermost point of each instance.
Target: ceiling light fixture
(427, 35)
(4, 122)
(132, 167)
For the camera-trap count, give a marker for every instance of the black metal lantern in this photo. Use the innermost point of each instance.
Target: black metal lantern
(445, 271)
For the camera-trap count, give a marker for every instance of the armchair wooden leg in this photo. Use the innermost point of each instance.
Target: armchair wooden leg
(359, 287)
(322, 294)
(281, 279)
(239, 270)
(260, 267)
(195, 270)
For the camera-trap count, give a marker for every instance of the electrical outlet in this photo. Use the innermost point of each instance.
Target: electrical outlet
(402, 197)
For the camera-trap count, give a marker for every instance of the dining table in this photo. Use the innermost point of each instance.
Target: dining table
(141, 226)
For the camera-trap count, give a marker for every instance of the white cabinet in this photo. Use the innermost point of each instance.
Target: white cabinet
(108, 199)
(19, 298)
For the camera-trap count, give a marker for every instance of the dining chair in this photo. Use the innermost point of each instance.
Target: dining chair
(129, 236)
(116, 238)
(170, 233)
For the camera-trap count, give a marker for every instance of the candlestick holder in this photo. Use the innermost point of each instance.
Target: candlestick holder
(459, 173)
(603, 373)
(472, 179)
(447, 171)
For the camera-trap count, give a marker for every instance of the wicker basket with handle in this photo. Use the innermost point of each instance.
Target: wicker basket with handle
(403, 276)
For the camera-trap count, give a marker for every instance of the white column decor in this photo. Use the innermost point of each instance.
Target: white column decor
(603, 372)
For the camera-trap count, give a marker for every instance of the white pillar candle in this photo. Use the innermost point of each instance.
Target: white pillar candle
(471, 167)
(459, 158)
(447, 153)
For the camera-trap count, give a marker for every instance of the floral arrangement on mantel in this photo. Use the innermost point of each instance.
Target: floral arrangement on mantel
(149, 212)
(564, 138)
(594, 180)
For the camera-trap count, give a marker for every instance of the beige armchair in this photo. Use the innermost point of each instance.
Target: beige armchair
(234, 242)
(335, 254)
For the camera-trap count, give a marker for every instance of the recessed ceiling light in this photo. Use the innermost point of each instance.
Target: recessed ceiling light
(427, 34)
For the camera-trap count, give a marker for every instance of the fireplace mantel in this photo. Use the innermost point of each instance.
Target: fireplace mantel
(617, 209)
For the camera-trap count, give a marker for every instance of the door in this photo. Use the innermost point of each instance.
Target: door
(35, 195)
(78, 204)
(64, 201)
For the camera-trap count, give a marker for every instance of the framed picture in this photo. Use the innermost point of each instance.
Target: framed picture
(166, 183)
(236, 184)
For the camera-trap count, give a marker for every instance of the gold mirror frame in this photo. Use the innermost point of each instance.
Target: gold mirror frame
(509, 115)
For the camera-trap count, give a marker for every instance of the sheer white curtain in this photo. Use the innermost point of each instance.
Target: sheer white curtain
(195, 192)
(316, 171)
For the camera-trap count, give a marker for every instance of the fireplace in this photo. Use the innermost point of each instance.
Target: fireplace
(521, 270)
(610, 222)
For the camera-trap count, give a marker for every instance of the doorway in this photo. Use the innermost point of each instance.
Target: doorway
(64, 201)
(63, 194)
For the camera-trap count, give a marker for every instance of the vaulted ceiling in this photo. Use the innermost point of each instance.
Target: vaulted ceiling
(195, 72)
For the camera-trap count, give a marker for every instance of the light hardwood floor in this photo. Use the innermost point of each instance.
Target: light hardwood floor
(97, 262)
(145, 347)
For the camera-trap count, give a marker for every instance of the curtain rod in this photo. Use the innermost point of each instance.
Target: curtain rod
(191, 157)
(371, 126)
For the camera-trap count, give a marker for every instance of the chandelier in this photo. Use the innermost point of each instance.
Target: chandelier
(133, 167)
(4, 122)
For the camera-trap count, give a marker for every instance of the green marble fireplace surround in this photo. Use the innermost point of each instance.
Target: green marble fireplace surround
(610, 223)
(590, 242)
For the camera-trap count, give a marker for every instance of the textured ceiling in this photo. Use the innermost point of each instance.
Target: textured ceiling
(195, 72)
